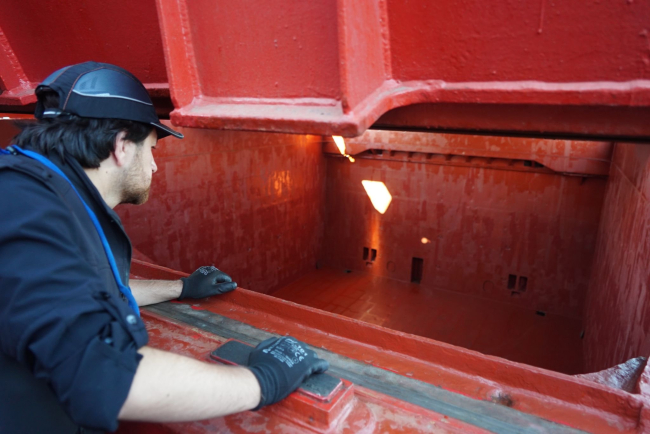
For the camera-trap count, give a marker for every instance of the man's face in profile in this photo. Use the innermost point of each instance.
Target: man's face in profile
(137, 177)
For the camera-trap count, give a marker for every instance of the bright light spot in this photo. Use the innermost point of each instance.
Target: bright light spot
(340, 143)
(425, 241)
(379, 195)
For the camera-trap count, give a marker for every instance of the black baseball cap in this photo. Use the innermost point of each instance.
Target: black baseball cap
(100, 90)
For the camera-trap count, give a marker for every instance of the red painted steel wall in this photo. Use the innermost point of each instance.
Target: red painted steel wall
(483, 225)
(541, 67)
(47, 35)
(7, 132)
(551, 41)
(617, 317)
(251, 203)
(270, 52)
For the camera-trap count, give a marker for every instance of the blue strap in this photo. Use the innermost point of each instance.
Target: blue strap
(107, 249)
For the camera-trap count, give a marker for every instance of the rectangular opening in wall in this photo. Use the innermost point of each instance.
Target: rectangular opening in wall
(512, 281)
(365, 253)
(373, 254)
(416, 270)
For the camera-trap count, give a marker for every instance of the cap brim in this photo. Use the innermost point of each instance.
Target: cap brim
(164, 131)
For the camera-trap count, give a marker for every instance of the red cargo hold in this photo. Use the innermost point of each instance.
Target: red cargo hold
(288, 215)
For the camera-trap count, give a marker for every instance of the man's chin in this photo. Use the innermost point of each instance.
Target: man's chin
(136, 198)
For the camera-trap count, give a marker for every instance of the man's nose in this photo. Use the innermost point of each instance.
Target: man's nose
(154, 166)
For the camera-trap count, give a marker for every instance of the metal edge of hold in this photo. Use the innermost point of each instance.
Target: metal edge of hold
(487, 415)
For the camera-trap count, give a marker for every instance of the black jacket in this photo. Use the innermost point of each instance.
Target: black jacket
(68, 339)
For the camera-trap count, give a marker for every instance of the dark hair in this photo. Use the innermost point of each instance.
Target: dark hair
(88, 140)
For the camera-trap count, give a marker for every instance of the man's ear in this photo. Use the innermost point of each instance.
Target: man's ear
(120, 149)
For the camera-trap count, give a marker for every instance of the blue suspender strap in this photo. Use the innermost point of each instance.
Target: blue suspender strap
(107, 249)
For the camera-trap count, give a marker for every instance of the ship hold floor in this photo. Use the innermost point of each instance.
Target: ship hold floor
(490, 327)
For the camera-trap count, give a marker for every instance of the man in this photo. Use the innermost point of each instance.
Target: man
(73, 354)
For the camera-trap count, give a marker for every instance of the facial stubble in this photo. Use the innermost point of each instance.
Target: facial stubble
(135, 184)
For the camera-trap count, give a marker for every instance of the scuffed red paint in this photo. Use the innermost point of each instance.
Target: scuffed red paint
(518, 41)
(292, 68)
(337, 67)
(564, 156)
(486, 63)
(552, 121)
(483, 226)
(81, 32)
(352, 410)
(485, 325)
(625, 376)
(617, 320)
(249, 203)
(254, 205)
(643, 386)
(561, 398)
(573, 401)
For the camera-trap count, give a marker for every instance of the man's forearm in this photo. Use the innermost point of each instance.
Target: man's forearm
(155, 291)
(172, 388)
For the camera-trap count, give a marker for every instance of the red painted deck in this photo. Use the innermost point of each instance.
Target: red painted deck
(488, 326)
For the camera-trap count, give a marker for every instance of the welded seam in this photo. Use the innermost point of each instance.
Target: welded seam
(486, 415)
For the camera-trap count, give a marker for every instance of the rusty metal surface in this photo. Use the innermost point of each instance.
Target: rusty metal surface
(625, 376)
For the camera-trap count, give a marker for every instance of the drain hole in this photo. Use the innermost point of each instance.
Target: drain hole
(416, 270)
(540, 313)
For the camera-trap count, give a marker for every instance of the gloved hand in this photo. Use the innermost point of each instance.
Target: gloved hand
(281, 365)
(206, 281)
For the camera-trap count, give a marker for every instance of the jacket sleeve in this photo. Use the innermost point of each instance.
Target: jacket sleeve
(56, 316)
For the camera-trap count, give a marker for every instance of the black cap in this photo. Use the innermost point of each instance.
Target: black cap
(100, 90)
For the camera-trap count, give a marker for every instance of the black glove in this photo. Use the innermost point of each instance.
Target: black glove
(281, 365)
(206, 281)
